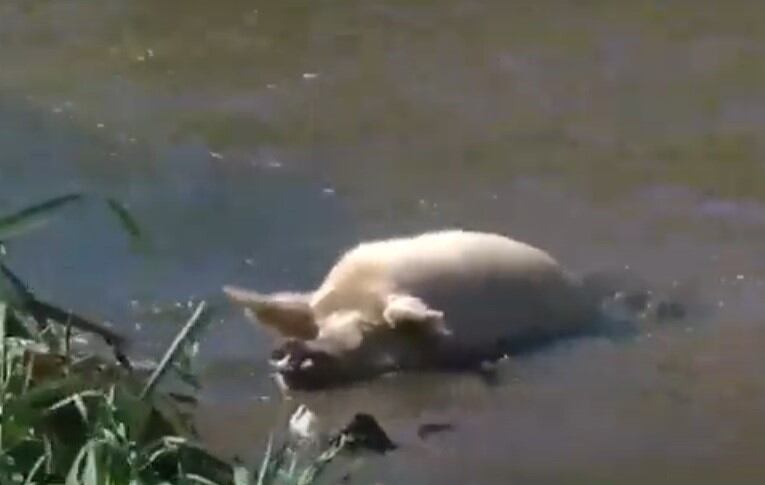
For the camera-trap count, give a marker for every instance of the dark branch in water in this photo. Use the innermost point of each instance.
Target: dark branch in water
(42, 312)
(36, 215)
(428, 429)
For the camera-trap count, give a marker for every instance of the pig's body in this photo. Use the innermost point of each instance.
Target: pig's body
(440, 299)
(488, 287)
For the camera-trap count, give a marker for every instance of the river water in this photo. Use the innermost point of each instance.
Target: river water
(254, 141)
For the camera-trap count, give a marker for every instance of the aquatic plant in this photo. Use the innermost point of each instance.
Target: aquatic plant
(69, 415)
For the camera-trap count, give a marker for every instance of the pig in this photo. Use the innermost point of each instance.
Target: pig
(441, 300)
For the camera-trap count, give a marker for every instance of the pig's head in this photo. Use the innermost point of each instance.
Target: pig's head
(334, 357)
(343, 346)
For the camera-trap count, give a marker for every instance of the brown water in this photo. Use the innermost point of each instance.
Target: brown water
(256, 140)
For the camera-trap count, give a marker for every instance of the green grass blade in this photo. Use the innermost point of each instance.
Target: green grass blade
(76, 399)
(90, 474)
(33, 217)
(266, 461)
(313, 471)
(80, 405)
(35, 468)
(194, 478)
(48, 447)
(172, 351)
(73, 476)
(3, 314)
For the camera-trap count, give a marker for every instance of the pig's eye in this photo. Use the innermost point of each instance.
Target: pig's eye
(297, 356)
(282, 354)
(293, 348)
(278, 354)
(287, 354)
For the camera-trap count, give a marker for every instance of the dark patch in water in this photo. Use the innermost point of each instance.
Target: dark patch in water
(425, 431)
(365, 433)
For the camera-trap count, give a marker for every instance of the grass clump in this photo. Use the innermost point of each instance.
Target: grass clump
(72, 416)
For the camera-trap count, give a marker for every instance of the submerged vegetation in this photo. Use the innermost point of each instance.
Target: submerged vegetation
(69, 415)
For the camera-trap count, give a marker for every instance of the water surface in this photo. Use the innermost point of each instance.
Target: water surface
(257, 140)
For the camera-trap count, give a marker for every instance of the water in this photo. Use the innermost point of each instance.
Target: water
(257, 140)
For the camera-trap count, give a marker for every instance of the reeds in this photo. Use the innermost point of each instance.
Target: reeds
(74, 417)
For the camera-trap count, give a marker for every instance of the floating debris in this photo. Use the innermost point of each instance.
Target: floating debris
(428, 429)
(304, 425)
(364, 433)
(670, 310)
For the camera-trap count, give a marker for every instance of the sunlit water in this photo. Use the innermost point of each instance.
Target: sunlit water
(257, 140)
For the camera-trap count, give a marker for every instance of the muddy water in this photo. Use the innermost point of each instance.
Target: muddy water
(256, 140)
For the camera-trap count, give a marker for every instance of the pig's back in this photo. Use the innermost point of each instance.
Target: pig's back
(488, 286)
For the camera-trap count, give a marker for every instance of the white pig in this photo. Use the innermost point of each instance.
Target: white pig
(446, 300)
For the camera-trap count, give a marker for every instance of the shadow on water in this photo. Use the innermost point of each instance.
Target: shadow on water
(255, 142)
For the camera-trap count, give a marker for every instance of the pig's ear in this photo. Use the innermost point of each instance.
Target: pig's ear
(288, 313)
(404, 310)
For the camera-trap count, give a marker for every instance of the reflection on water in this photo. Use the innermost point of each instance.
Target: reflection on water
(256, 140)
